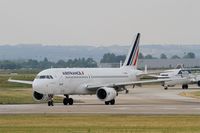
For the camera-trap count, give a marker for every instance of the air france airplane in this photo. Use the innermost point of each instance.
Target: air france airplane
(181, 76)
(177, 76)
(104, 82)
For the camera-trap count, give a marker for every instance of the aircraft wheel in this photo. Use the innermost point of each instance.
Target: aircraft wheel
(106, 102)
(112, 102)
(65, 101)
(185, 86)
(71, 101)
(50, 103)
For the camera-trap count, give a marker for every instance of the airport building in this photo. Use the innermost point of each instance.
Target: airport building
(159, 63)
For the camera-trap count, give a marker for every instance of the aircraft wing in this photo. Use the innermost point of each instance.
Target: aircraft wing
(94, 87)
(150, 74)
(157, 76)
(21, 81)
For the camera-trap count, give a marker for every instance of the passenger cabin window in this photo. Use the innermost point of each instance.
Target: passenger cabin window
(44, 77)
(164, 75)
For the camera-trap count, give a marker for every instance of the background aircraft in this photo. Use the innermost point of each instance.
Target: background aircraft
(179, 76)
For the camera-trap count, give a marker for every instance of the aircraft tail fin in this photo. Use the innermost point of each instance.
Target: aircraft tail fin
(132, 57)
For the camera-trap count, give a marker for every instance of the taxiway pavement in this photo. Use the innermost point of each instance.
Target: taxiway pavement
(141, 100)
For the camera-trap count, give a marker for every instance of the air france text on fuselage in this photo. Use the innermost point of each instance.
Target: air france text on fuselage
(73, 73)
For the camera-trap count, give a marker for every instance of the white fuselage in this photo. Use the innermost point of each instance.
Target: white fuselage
(75, 80)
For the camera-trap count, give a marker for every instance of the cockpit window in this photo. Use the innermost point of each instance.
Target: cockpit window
(44, 77)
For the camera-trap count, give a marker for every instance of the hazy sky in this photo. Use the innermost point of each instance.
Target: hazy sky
(99, 22)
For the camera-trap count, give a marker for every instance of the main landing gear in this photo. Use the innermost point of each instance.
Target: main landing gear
(112, 102)
(185, 86)
(165, 87)
(68, 100)
(50, 101)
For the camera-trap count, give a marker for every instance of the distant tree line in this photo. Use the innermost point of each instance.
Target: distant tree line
(80, 62)
(112, 58)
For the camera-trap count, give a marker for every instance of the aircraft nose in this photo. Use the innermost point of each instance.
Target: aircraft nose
(37, 85)
(40, 86)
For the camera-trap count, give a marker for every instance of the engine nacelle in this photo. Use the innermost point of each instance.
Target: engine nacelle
(40, 97)
(106, 93)
(198, 83)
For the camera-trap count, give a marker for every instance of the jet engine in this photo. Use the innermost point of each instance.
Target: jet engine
(40, 97)
(106, 93)
(198, 83)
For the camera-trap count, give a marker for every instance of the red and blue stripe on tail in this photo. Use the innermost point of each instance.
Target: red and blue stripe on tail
(132, 57)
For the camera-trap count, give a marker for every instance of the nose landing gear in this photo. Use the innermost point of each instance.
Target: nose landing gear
(50, 101)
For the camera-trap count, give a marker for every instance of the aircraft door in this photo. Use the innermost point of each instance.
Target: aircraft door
(61, 84)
